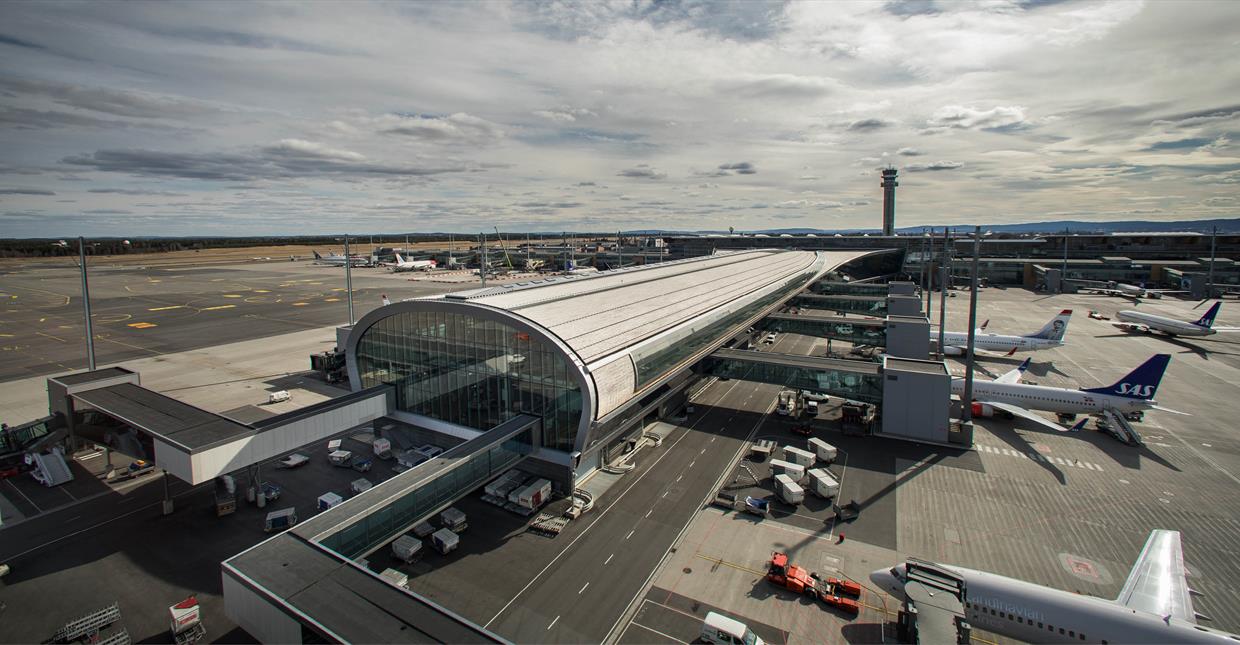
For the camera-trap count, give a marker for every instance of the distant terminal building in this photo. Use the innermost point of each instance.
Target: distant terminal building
(593, 356)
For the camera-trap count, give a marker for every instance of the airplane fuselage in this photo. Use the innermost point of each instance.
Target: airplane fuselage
(1035, 614)
(1050, 399)
(996, 342)
(1163, 324)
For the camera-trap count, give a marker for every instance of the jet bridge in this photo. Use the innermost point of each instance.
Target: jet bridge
(855, 380)
(933, 610)
(865, 305)
(853, 330)
(834, 288)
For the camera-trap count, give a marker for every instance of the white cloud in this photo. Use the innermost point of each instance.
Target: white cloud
(959, 116)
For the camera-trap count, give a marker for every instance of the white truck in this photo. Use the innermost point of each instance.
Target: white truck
(786, 405)
(788, 490)
(825, 452)
(534, 495)
(822, 484)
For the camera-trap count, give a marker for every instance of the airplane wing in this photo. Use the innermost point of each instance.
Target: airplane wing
(1226, 330)
(1131, 327)
(1157, 582)
(1026, 414)
(1014, 375)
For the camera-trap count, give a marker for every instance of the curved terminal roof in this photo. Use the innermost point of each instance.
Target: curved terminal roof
(604, 317)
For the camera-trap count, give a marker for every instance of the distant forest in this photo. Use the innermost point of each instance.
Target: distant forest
(37, 248)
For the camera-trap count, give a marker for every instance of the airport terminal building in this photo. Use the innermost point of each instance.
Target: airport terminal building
(592, 355)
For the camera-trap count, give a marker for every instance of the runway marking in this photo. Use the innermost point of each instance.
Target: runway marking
(609, 559)
(331, 300)
(704, 450)
(1039, 457)
(142, 325)
(738, 567)
(231, 295)
(166, 308)
(649, 512)
(218, 307)
(671, 638)
(51, 336)
(261, 291)
(678, 477)
(19, 492)
(557, 618)
(300, 304)
(630, 534)
(583, 588)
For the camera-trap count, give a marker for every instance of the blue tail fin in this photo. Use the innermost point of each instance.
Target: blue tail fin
(1079, 425)
(1140, 383)
(1208, 320)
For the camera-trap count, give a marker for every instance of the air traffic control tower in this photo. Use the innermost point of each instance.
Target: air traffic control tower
(889, 200)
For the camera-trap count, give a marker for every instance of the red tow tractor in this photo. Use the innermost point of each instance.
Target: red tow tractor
(800, 581)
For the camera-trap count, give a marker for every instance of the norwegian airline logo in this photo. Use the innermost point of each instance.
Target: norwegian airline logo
(1129, 389)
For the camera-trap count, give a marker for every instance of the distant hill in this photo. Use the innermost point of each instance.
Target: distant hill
(1127, 226)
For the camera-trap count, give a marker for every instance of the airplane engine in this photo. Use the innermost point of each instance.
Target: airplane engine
(986, 411)
(952, 351)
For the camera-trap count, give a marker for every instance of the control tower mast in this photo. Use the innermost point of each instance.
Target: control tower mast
(889, 200)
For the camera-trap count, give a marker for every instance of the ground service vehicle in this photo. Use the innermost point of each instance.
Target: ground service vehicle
(280, 520)
(225, 495)
(293, 461)
(781, 573)
(187, 624)
(445, 540)
(328, 500)
(721, 630)
(786, 404)
(340, 458)
(407, 548)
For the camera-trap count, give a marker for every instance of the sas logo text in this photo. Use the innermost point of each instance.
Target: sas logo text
(1128, 389)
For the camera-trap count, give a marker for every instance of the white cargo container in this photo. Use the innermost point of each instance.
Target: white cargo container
(383, 448)
(340, 458)
(823, 450)
(395, 578)
(328, 500)
(504, 484)
(407, 548)
(799, 457)
(822, 484)
(454, 518)
(445, 540)
(781, 467)
(535, 494)
(788, 490)
(360, 485)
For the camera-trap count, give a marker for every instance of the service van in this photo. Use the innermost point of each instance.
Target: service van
(722, 630)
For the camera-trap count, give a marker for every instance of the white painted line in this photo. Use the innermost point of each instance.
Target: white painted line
(712, 440)
(655, 631)
(678, 477)
(630, 534)
(557, 618)
(583, 588)
(665, 493)
(609, 559)
(19, 492)
(647, 514)
(692, 462)
(704, 450)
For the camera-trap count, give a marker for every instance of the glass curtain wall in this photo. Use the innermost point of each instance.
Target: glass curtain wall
(472, 372)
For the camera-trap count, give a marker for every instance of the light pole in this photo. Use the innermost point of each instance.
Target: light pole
(90, 335)
(966, 404)
(348, 277)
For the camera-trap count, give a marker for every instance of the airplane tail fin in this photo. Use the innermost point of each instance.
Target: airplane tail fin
(1140, 383)
(399, 260)
(316, 255)
(1055, 329)
(1207, 320)
(1079, 425)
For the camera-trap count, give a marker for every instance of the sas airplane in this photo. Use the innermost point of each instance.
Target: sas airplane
(1154, 606)
(1132, 393)
(1139, 321)
(1130, 291)
(955, 343)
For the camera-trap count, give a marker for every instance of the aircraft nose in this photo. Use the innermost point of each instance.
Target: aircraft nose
(883, 579)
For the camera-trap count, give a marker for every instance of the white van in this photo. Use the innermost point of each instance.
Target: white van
(720, 629)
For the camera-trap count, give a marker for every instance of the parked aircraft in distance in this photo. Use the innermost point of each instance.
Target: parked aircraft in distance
(1123, 290)
(955, 343)
(413, 265)
(335, 260)
(1139, 321)
(1154, 606)
(1132, 393)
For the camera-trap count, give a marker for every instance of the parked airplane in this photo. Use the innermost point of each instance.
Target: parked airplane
(413, 265)
(955, 343)
(1123, 290)
(1154, 606)
(1139, 321)
(1133, 393)
(339, 260)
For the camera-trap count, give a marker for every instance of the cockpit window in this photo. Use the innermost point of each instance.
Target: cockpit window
(897, 574)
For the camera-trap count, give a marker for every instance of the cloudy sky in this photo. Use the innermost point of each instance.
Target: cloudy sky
(213, 118)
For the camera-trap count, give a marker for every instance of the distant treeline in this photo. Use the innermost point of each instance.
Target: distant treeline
(35, 248)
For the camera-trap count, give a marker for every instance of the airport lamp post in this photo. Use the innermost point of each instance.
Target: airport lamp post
(90, 335)
(486, 262)
(348, 277)
(929, 296)
(1210, 280)
(966, 403)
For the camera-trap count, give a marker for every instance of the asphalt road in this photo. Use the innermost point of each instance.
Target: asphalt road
(138, 312)
(582, 595)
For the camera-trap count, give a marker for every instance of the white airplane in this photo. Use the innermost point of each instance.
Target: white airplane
(413, 265)
(335, 260)
(1154, 606)
(1133, 393)
(955, 343)
(1123, 290)
(1139, 321)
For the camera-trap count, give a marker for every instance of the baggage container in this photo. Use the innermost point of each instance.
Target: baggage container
(360, 485)
(407, 548)
(803, 458)
(445, 540)
(328, 500)
(824, 451)
(454, 519)
(423, 529)
(340, 458)
(395, 578)
(822, 484)
(788, 490)
(382, 448)
(280, 520)
(780, 467)
(535, 494)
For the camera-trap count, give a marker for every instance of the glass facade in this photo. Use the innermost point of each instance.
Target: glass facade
(858, 383)
(382, 524)
(655, 360)
(472, 372)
